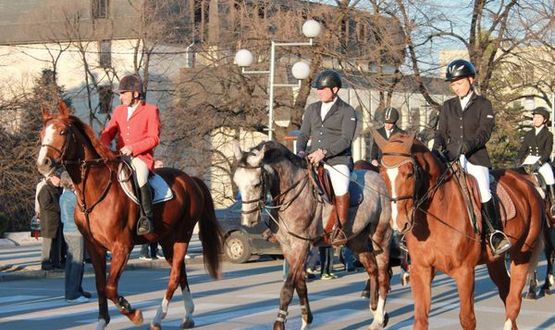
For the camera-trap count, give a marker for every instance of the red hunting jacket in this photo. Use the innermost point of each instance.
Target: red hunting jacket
(141, 132)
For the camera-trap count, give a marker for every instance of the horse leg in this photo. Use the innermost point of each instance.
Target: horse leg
(119, 258)
(532, 286)
(519, 272)
(302, 292)
(549, 253)
(421, 284)
(498, 274)
(365, 293)
(98, 258)
(465, 280)
(368, 260)
(380, 315)
(296, 269)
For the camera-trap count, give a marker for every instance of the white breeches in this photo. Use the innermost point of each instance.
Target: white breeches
(481, 173)
(340, 177)
(141, 169)
(547, 174)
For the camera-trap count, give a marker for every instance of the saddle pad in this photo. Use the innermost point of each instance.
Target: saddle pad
(162, 191)
(507, 208)
(355, 188)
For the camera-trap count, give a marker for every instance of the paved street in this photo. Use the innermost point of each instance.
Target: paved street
(247, 298)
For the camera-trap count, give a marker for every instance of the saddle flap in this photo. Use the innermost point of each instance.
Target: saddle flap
(325, 183)
(161, 189)
(504, 203)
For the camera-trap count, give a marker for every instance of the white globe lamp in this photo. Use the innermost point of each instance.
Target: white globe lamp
(244, 58)
(300, 70)
(311, 28)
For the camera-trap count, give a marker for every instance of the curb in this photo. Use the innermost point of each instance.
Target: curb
(8, 273)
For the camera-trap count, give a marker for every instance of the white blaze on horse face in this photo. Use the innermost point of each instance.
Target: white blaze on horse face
(392, 175)
(48, 138)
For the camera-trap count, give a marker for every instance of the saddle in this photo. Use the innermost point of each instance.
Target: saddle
(321, 183)
(503, 202)
(127, 180)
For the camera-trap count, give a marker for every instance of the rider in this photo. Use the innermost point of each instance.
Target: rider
(330, 125)
(465, 126)
(137, 127)
(539, 142)
(391, 116)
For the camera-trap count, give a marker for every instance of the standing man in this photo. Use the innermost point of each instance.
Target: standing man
(538, 143)
(465, 126)
(330, 125)
(136, 125)
(51, 227)
(391, 116)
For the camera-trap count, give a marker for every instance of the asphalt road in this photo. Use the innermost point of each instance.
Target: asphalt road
(247, 298)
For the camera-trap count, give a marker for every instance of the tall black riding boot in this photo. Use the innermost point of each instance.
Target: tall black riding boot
(498, 241)
(144, 225)
(551, 189)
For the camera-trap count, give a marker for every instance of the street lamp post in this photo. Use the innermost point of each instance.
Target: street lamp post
(244, 58)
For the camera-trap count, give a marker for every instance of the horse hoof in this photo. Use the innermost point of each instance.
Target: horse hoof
(365, 294)
(187, 323)
(531, 295)
(137, 317)
(374, 326)
(101, 325)
(279, 326)
(155, 327)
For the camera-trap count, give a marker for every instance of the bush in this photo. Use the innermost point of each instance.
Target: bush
(4, 223)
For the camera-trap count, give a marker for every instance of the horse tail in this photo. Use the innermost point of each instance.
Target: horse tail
(210, 232)
(538, 247)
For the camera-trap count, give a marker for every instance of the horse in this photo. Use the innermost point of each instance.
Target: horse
(107, 218)
(548, 237)
(270, 169)
(429, 207)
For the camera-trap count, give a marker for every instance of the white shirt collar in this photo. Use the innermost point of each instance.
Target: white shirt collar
(326, 107)
(538, 129)
(465, 99)
(131, 109)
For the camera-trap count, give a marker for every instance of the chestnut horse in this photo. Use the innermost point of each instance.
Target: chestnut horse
(428, 206)
(301, 218)
(107, 218)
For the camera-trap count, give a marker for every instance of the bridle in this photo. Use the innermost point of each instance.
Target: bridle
(418, 175)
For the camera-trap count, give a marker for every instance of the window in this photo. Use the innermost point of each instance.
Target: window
(105, 97)
(105, 53)
(100, 8)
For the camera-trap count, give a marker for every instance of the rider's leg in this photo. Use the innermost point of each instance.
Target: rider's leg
(144, 225)
(340, 177)
(498, 240)
(547, 173)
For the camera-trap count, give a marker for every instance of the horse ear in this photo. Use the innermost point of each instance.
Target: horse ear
(46, 115)
(379, 140)
(236, 146)
(63, 108)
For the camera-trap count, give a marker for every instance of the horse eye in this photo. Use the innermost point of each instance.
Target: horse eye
(63, 132)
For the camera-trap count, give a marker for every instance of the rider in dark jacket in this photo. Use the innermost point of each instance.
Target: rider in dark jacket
(330, 125)
(391, 116)
(465, 126)
(538, 142)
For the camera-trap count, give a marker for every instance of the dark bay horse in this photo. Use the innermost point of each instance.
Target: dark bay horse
(300, 217)
(107, 218)
(427, 205)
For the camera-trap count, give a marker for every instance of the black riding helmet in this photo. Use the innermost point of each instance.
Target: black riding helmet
(391, 115)
(131, 83)
(541, 111)
(459, 69)
(327, 79)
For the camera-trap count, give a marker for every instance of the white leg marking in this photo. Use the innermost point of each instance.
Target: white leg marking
(379, 314)
(161, 312)
(101, 324)
(189, 305)
(304, 325)
(392, 175)
(508, 325)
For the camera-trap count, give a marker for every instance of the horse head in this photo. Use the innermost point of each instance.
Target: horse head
(54, 137)
(403, 166)
(249, 178)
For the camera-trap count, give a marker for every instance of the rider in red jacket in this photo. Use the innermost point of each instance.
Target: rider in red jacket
(136, 125)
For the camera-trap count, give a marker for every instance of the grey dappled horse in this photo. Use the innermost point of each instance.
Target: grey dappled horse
(270, 168)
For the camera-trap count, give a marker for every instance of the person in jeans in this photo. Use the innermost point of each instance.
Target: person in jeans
(75, 265)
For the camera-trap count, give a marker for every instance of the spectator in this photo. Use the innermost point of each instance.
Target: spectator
(326, 263)
(75, 265)
(51, 227)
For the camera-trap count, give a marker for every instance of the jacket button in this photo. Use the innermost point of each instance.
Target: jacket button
(319, 140)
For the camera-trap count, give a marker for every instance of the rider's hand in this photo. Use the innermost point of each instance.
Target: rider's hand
(375, 163)
(126, 151)
(316, 156)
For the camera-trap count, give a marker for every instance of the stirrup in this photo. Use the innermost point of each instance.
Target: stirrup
(552, 211)
(338, 237)
(144, 226)
(503, 247)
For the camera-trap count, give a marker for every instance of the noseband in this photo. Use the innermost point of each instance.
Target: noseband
(260, 199)
(417, 174)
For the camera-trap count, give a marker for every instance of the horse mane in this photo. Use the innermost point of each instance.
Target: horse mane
(276, 152)
(102, 150)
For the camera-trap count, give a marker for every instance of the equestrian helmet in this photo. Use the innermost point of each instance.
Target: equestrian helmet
(131, 83)
(459, 69)
(391, 115)
(541, 111)
(327, 79)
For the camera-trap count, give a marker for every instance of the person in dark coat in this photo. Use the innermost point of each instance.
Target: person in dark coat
(51, 228)
(330, 125)
(391, 116)
(465, 126)
(538, 143)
